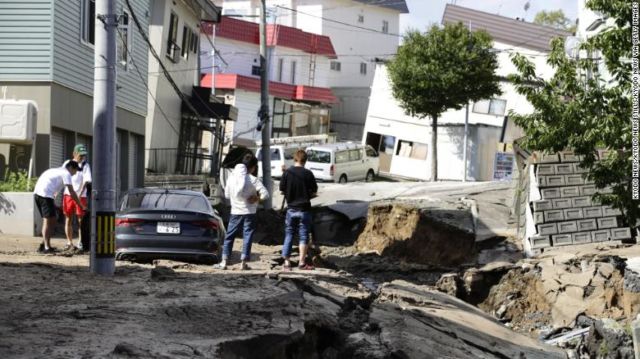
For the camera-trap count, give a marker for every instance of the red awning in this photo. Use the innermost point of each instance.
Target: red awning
(276, 89)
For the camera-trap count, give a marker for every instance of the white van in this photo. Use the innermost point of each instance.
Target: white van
(281, 159)
(342, 162)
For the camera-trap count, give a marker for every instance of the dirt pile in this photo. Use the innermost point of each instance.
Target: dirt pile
(519, 299)
(416, 233)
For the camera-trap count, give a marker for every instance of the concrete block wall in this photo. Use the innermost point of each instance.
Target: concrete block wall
(566, 214)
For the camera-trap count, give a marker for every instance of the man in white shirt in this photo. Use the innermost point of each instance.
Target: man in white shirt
(245, 191)
(47, 188)
(69, 207)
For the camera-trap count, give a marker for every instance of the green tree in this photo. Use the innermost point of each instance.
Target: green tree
(555, 18)
(579, 109)
(443, 69)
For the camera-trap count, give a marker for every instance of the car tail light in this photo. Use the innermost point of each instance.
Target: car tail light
(209, 224)
(127, 222)
(331, 170)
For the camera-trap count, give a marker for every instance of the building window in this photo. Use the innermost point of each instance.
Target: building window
(88, 23)
(186, 37)
(123, 41)
(194, 42)
(280, 68)
(335, 65)
(255, 70)
(172, 37)
(361, 18)
(363, 68)
(385, 26)
(491, 107)
(293, 72)
(410, 149)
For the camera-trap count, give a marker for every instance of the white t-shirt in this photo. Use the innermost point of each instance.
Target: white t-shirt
(84, 175)
(52, 181)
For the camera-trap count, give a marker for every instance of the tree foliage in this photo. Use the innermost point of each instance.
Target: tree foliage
(579, 109)
(443, 69)
(555, 18)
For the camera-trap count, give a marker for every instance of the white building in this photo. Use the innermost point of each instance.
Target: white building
(361, 31)
(299, 94)
(174, 131)
(590, 23)
(403, 141)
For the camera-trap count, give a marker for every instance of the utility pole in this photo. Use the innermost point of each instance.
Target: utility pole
(104, 141)
(265, 126)
(465, 143)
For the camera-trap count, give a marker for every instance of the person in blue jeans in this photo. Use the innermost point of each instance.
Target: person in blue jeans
(244, 191)
(299, 186)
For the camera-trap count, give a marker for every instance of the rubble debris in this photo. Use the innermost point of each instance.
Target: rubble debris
(631, 297)
(417, 233)
(610, 339)
(564, 285)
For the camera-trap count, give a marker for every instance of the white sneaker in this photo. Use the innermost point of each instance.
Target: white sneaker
(244, 266)
(222, 265)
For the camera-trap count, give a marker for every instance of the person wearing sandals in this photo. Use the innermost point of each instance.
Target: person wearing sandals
(244, 191)
(80, 182)
(48, 186)
(298, 185)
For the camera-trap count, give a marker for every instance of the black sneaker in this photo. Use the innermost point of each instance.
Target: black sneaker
(40, 248)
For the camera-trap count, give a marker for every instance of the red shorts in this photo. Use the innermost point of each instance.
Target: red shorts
(70, 207)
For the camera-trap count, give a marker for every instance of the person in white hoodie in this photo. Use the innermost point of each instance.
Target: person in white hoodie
(244, 191)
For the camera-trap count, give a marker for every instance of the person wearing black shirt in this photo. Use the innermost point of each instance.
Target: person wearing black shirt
(298, 185)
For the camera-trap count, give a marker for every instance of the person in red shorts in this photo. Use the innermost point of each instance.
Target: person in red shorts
(69, 207)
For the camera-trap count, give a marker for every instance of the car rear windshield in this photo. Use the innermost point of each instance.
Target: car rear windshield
(275, 155)
(166, 200)
(318, 156)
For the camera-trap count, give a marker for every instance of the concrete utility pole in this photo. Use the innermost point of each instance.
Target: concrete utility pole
(265, 126)
(104, 141)
(465, 143)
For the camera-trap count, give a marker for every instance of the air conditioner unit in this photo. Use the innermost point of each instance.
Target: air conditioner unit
(18, 121)
(175, 57)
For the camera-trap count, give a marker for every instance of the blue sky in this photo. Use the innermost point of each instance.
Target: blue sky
(422, 13)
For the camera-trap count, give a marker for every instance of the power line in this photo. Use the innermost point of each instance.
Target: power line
(167, 74)
(144, 81)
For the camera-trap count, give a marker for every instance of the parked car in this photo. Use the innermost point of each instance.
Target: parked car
(281, 159)
(342, 162)
(167, 224)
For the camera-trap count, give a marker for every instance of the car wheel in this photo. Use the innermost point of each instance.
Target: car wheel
(370, 176)
(343, 179)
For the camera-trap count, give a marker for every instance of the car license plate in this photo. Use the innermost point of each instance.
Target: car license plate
(168, 227)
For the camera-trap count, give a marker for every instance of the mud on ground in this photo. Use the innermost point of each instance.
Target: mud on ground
(53, 307)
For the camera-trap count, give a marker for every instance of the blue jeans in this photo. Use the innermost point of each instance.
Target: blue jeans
(303, 219)
(248, 224)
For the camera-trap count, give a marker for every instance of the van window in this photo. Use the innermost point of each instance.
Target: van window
(354, 155)
(318, 156)
(275, 154)
(371, 152)
(342, 156)
(289, 152)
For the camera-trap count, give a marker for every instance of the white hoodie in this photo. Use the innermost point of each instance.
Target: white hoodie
(241, 186)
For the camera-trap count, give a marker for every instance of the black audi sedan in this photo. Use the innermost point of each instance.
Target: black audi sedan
(167, 224)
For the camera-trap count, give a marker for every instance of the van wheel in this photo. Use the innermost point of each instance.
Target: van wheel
(370, 176)
(343, 179)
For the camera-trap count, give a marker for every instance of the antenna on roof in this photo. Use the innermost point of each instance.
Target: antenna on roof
(527, 5)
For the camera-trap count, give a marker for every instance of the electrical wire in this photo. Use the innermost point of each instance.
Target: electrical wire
(167, 74)
(144, 81)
